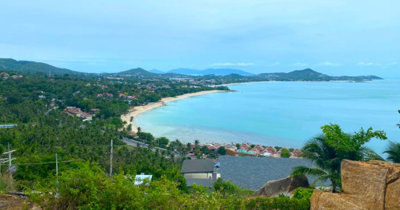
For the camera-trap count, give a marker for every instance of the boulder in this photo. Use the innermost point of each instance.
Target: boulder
(366, 185)
(285, 186)
(330, 201)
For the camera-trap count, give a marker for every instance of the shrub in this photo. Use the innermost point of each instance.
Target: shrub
(285, 153)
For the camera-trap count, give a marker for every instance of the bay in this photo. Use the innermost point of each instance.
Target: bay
(279, 113)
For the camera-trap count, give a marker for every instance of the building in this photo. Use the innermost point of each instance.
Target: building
(76, 111)
(141, 178)
(8, 126)
(254, 172)
(200, 171)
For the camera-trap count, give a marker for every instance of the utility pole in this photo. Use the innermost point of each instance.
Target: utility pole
(111, 158)
(57, 169)
(9, 156)
(57, 184)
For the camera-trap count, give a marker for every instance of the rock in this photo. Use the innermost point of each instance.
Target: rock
(365, 182)
(366, 185)
(285, 186)
(330, 201)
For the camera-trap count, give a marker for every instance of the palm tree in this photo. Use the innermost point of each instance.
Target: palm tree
(326, 160)
(393, 151)
(328, 150)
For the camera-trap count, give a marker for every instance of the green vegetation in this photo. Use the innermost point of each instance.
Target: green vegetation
(221, 150)
(285, 153)
(328, 150)
(87, 188)
(393, 152)
(35, 104)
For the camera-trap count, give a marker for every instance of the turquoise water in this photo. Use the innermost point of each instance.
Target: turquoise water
(279, 113)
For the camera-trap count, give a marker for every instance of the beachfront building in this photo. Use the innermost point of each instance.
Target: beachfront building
(200, 171)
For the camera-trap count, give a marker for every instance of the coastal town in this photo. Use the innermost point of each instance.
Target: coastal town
(244, 149)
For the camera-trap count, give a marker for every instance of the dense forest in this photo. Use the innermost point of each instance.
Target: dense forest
(34, 102)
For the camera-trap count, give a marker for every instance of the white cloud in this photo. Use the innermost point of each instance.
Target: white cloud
(328, 63)
(361, 63)
(233, 64)
(392, 63)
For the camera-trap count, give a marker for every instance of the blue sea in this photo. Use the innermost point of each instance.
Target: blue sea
(279, 113)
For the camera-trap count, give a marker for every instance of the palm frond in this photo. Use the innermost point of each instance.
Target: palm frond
(393, 152)
(303, 170)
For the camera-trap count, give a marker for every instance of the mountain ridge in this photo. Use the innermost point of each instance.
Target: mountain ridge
(8, 64)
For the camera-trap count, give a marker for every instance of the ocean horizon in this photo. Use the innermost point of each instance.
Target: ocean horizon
(279, 113)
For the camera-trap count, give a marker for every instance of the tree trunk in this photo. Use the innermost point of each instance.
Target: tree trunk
(333, 185)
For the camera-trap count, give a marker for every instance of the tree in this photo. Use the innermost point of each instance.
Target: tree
(162, 142)
(329, 149)
(393, 151)
(221, 150)
(285, 153)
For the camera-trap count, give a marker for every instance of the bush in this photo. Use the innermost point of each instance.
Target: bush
(89, 188)
(285, 153)
(303, 193)
(221, 150)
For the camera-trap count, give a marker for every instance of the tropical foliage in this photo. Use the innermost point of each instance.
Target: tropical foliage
(87, 188)
(393, 151)
(329, 149)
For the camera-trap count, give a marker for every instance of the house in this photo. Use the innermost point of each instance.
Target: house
(200, 171)
(76, 111)
(141, 178)
(254, 172)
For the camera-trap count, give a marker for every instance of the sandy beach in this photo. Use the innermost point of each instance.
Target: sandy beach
(137, 110)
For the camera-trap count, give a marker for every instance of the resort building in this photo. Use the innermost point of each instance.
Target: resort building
(76, 111)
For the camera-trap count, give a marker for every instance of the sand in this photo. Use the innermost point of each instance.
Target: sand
(137, 110)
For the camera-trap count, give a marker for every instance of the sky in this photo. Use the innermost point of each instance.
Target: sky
(339, 37)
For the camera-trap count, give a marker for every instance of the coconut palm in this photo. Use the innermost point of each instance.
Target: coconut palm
(329, 149)
(393, 152)
(326, 160)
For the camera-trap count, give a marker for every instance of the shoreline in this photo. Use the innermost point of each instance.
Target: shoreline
(135, 111)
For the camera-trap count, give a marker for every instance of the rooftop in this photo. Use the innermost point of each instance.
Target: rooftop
(198, 166)
(254, 172)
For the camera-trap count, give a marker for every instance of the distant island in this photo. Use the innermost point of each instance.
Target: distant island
(203, 77)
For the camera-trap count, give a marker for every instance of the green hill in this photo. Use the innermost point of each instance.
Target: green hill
(8, 64)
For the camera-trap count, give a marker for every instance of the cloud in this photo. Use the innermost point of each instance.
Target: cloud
(392, 63)
(301, 64)
(361, 63)
(233, 64)
(328, 63)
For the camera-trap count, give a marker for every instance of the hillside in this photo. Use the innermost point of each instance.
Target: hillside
(217, 72)
(219, 76)
(8, 64)
(137, 72)
(311, 75)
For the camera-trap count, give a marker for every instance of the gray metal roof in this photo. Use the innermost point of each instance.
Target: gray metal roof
(254, 172)
(198, 166)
